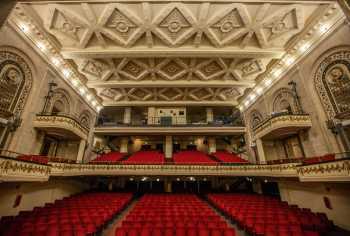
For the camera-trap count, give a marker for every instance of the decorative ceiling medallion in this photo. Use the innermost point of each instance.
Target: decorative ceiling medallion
(121, 24)
(251, 67)
(67, 24)
(174, 24)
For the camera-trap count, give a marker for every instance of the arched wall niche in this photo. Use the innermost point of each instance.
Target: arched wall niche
(60, 102)
(255, 118)
(16, 80)
(332, 81)
(85, 118)
(284, 101)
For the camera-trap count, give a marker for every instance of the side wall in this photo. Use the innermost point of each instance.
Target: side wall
(319, 140)
(35, 194)
(27, 139)
(311, 195)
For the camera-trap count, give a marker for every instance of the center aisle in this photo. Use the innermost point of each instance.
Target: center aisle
(170, 215)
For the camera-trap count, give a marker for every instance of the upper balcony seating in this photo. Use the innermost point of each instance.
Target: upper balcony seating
(261, 215)
(111, 157)
(192, 157)
(34, 158)
(227, 157)
(170, 215)
(78, 215)
(307, 160)
(145, 157)
(319, 159)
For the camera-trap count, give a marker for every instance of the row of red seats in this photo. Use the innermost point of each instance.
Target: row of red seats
(146, 157)
(192, 157)
(307, 160)
(318, 159)
(79, 215)
(34, 158)
(170, 215)
(111, 157)
(262, 215)
(227, 157)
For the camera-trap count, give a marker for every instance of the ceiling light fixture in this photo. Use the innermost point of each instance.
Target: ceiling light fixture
(41, 46)
(323, 28)
(289, 60)
(55, 61)
(94, 103)
(259, 90)
(304, 47)
(82, 91)
(66, 73)
(24, 27)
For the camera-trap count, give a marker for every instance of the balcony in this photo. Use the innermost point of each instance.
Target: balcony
(64, 125)
(282, 125)
(14, 169)
(169, 125)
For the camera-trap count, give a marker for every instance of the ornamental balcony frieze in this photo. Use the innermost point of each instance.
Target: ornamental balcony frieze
(283, 170)
(15, 170)
(62, 123)
(338, 170)
(281, 124)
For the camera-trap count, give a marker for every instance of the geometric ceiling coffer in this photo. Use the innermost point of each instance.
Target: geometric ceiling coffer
(171, 69)
(170, 94)
(168, 24)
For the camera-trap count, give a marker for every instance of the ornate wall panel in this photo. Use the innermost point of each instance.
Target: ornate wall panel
(332, 81)
(283, 100)
(15, 83)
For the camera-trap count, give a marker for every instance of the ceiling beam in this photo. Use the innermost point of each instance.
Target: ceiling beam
(145, 52)
(163, 83)
(169, 103)
(225, 1)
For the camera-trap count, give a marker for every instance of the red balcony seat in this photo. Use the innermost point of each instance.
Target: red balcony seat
(111, 157)
(146, 157)
(34, 158)
(228, 157)
(192, 157)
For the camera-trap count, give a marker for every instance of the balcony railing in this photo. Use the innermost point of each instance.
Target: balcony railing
(61, 121)
(282, 120)
(171, 121)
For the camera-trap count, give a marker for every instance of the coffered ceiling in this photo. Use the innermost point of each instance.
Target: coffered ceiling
(163, 52)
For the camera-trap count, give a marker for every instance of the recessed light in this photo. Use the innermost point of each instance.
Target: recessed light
(93, 103)
(41, 46)
(24, 27)
(66, 72)
(82, 90)
(289, 60)
(75, 82)
(277, 72)
(304, 47)
(246, 103)
(268, 82)
(259, 90)
(323, 28)
(55, 61)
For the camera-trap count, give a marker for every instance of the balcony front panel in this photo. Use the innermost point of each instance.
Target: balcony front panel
(335, 171)
(282, 126)
(61, 125)
(284, 170)
(169, 130)
(16, 170)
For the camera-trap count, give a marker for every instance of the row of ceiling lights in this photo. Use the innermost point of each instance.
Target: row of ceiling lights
(61, 66)
(287, 61)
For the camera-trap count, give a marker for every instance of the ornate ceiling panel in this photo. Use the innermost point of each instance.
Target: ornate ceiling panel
(170, 94)
(171, 69)
(163, 25)
(167, 51)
